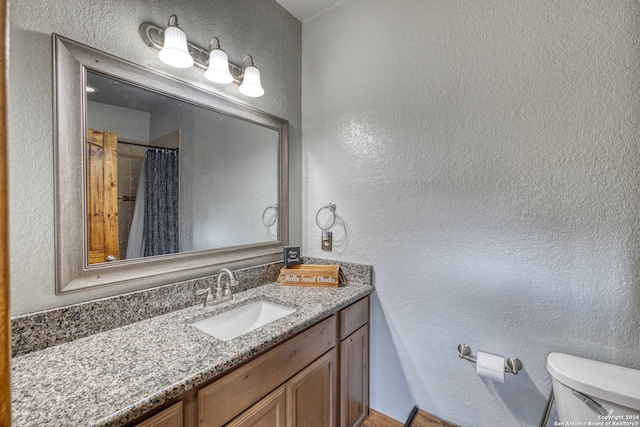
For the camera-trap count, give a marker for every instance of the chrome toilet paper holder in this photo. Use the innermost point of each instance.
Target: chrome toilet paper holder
(514, 365)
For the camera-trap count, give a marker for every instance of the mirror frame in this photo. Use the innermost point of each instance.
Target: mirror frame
(73, 273)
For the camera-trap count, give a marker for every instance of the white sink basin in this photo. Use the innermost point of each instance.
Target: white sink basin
(231, 324)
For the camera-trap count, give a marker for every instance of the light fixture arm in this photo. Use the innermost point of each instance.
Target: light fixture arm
(153, 36)
(243, 61)
(211, 46)
(250, 59)
(173, 21)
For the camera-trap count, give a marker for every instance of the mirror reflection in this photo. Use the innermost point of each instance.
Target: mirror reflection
(167, 176)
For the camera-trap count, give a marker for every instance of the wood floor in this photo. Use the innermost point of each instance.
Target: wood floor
(422, 419)
(376, 419)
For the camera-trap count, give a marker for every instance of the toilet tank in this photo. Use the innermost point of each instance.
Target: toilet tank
(587, 390)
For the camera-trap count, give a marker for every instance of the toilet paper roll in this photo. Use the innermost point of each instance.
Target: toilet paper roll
(490, 366)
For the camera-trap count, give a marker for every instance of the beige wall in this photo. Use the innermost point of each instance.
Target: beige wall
(257, 27)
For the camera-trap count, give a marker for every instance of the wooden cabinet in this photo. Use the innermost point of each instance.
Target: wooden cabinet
(354, 378)
(353, 317)
(318, 378)
(268, 412)
(354, 364)
(311, 394)
(308, 399)
(170, 417)
(225, 398)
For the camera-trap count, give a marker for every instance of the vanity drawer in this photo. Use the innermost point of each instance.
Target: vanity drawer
(170, 417)
(225, 398)
(353, 317)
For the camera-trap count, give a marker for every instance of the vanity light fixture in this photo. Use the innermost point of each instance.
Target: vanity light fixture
(211, 60)
(251, 80)
(218, 71)
(174, 50)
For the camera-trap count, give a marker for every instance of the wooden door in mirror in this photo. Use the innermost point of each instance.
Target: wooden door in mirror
(102, 196)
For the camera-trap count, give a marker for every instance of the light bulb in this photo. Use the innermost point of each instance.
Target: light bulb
(218, 70)
(251, 82)
(174, 51)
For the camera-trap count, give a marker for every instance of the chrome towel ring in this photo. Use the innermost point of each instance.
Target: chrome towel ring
(332, 208)
(272, 220)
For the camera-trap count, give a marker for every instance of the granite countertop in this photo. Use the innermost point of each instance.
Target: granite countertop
(113, 377)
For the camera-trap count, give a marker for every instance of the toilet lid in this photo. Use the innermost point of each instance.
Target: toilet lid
(616, 384)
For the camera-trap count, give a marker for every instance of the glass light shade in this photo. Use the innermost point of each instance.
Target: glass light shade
(218, 70)
(174, 51)
(251, 82)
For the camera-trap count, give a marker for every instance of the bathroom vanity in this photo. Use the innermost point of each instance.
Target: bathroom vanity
(296, 383)
(163, 371)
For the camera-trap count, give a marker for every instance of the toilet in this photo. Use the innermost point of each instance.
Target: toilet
(586, 390)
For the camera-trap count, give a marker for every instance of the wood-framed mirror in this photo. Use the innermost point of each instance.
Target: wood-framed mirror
(157, 180)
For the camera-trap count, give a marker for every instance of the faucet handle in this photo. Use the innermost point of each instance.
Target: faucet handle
(208, 300)
(201, 292)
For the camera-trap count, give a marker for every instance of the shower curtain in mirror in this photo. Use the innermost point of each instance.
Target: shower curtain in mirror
(154, 230)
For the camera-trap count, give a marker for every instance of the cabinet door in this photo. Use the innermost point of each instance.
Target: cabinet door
(170, 417)
(354, 378)
(311, 394)
(268, 412)
(227, 397)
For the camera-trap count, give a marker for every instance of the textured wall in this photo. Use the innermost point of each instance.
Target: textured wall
(484, 157)
(258, 27)
(126, 122)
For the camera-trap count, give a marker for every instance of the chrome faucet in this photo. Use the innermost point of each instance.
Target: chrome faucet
(226, 293)
(219, 294)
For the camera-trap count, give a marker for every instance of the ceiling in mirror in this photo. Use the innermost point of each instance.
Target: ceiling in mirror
(160, 180)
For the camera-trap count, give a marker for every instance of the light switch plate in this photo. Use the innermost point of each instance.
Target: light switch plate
(327, 240)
